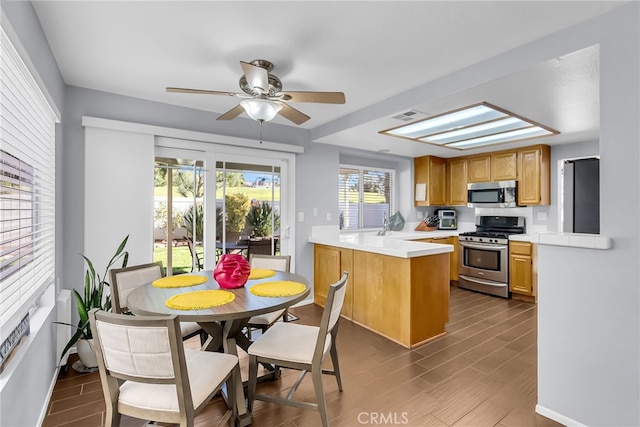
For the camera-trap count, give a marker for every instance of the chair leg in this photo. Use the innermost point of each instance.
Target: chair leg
(231, 396)
(316, 374)
(336, 365)
(253, 380)
(112, 417)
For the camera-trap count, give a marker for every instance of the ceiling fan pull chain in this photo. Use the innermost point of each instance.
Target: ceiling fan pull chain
(260, 121)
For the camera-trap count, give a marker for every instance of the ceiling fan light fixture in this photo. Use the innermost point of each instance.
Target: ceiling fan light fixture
(261, 110)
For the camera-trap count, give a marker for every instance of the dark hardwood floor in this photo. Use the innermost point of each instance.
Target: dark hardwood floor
(482, 373)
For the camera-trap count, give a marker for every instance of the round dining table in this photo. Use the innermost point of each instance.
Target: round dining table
(224, 323)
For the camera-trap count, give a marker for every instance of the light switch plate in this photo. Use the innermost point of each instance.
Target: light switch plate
(328, 216)
(300, 216)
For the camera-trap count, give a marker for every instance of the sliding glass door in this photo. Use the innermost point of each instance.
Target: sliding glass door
(178, 214)
(249, 198)
(220, 200)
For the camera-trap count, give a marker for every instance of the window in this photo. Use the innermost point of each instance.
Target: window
(366, 196)
(27, 189)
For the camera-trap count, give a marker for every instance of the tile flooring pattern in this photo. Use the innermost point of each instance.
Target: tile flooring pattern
(482, 373)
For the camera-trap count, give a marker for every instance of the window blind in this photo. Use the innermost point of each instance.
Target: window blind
(27, 189)
(365, 197)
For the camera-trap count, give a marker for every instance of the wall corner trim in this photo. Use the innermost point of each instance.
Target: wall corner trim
(553, 415)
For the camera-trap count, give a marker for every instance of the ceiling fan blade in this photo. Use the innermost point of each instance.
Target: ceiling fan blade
(232, 114)
(257, 77)
(200, 91)
(320, 97)
(290, 113)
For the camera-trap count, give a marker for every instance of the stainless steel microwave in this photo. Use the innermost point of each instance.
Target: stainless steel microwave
(496, 194)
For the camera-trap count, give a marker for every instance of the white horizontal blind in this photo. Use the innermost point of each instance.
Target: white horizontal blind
(365, 196)
(27, 189)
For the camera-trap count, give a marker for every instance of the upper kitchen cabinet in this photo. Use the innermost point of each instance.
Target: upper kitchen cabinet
(534, 171)
(457, 181)
(504, 166)
(479, 168)
(430, 181)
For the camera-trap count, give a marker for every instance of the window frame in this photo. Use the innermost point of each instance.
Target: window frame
(361, 203)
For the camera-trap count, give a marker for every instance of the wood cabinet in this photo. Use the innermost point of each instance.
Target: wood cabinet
(403, 299)
(453, 256)
(534, 170)
(446, 180)
(521, 271)
(457, 181)
(504, 166)
(329, 264)
(479, 168)
(501, 166)
(430, 171)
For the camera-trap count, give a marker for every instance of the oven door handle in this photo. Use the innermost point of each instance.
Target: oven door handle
(490, 247)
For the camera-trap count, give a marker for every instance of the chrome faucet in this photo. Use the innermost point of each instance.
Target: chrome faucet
(385, 225)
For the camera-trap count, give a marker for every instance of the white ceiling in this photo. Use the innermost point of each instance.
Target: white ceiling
(370, 50)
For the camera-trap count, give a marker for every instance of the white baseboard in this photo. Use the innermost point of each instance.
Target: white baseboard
(564, 420)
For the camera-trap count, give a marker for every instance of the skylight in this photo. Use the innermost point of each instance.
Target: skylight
(474, 126)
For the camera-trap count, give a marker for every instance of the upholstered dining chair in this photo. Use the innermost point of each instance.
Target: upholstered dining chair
(272, 262)
(147, 373)
(301, 347)
(124, 280)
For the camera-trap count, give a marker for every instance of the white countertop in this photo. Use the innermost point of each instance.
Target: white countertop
(520, 237)
(394, 243)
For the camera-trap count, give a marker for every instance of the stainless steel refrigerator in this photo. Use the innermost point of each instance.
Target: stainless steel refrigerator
(582, 196)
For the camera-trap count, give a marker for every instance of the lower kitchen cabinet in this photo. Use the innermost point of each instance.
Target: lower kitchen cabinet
(522, 277)
(453, 256)
(403, 299)
(329, 264)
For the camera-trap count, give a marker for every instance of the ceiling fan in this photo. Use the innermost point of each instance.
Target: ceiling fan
(263, 97)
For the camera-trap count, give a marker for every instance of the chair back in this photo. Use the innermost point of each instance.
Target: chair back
(272, 262)
(261, 247)
(331, 313)
(140, 349)
(125, 280)
(195, 256)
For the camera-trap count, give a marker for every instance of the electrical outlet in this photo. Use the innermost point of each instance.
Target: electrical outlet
(315, 211)
(542, 216)
(328, 216)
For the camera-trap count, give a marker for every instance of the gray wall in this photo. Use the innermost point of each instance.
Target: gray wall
(589, 300)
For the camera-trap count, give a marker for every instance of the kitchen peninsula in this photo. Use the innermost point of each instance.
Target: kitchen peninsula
(397, 287)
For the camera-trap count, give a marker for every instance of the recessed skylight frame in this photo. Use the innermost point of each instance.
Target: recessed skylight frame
(477, 125)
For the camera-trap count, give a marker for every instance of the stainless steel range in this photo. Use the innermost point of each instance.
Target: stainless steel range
(484, 254)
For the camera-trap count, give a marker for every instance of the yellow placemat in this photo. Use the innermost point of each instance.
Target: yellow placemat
(199, 300)
(180, 281)
(277, 289)
(261, 273)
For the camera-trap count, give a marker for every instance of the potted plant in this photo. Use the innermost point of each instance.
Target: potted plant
(93, 297)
